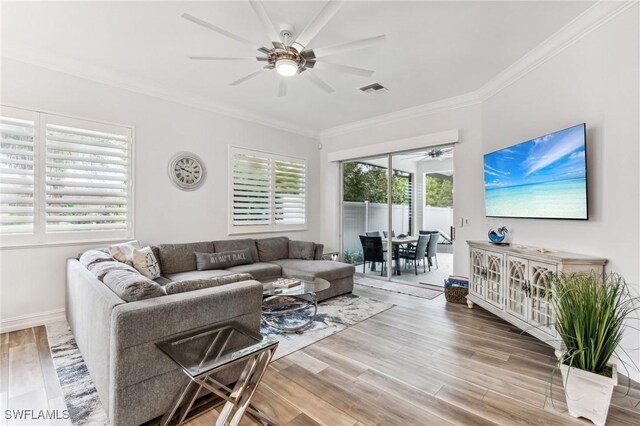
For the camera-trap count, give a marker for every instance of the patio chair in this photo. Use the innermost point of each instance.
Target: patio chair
(417, 253)
(393, 234)
(373, 234)
(373, 252)
(432, 248)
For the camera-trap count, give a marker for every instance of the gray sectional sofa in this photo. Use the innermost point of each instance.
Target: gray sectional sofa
(136, 382)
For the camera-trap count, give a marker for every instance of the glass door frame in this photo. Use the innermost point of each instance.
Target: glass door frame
(389, 156)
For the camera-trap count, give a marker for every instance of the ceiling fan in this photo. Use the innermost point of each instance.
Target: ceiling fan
(290, 56)
(436, 153)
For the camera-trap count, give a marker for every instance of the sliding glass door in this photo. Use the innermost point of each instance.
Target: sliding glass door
(397, 215)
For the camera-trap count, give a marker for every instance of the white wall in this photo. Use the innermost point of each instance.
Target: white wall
(594, 80)
(32, 279)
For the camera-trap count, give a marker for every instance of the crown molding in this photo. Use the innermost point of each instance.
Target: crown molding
(448, 104)
(576, 29)
(120, 80)
(589, 20)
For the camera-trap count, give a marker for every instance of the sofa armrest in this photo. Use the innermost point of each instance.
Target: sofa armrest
(150, 320)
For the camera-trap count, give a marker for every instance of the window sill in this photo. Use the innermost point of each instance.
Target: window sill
(18, 246)
(265, 231)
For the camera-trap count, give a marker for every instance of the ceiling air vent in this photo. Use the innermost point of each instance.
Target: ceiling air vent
(373, 88)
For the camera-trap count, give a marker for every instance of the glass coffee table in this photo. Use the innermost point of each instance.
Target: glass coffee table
(202, 354)
(291, 309)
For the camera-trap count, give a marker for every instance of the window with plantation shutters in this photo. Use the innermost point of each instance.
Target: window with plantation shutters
(268, 191)
(63, 179)
(17, 171)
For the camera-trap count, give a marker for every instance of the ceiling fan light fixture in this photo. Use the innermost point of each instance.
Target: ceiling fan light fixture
(286, 67)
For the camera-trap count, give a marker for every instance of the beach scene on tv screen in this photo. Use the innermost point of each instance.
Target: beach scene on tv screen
(541, 178)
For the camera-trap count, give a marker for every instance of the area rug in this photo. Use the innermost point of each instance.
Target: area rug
(430, 292)
(80, 394)
(333, 316)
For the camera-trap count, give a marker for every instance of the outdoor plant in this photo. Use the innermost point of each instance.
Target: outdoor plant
(590, 311)
(353, 257)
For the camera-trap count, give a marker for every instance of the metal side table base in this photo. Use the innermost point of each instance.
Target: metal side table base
(237, 400)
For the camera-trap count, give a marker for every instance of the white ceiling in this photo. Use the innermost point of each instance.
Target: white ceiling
(434, 50)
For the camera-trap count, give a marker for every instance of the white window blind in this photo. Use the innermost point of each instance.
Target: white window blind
(17, 171)
(86, 179)
(269, 191)
(63, 179)
(290, 191)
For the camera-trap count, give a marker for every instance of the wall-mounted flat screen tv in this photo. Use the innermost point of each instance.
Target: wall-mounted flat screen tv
(543, 178)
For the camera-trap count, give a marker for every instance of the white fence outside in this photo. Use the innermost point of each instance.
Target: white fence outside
(361, 217)
(437, 218)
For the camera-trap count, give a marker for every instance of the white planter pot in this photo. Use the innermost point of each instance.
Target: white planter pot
(588, 394)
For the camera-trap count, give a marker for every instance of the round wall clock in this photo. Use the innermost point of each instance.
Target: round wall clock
(187, 171)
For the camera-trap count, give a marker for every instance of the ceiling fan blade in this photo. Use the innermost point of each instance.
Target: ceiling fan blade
(344, 68)
(246, 77)
(261, 12)
(318, 82)
(218, 30)
(282, 89)
(217, 58)
(346, 47)
(315, 26)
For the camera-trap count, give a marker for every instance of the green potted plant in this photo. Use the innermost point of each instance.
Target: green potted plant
(590, 310)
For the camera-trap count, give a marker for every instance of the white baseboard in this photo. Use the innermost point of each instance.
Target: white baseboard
(31, 320)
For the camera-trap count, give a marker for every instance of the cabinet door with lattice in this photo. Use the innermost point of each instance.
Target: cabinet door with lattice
(476, 282)
(516, 286)
(494, 274)
(540, 296)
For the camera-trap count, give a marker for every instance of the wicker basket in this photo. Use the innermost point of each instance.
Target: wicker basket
(455, 294)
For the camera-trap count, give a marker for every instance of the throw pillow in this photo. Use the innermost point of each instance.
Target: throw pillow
(124, 252)
(131, 286)
(302, 250)
(225, 259)
(90, 257)
(191, 285)
(100, 269)
(146, 263)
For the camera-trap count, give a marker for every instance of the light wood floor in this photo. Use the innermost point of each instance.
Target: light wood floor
(423, 362)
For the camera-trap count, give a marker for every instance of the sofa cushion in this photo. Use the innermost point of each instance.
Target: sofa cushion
(191, 285)
(90, 257)
(198, 275)
(132, 286)
(222, 260)
(301, 250)
(181, 257)
(325, 269)
(274, 248)
(100, 269)
(259, 270)
(319, 251)
(231, 245)
(124, 252)
(145, 262)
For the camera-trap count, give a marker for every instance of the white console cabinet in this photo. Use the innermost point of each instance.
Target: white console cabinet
(511, 281)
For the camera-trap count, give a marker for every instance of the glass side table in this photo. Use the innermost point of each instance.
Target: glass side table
(203, 352)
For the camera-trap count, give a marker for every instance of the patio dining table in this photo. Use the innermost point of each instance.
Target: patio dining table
(397, 242)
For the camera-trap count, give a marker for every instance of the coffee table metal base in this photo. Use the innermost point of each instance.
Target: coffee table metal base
(301, 303)
(236, 400)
